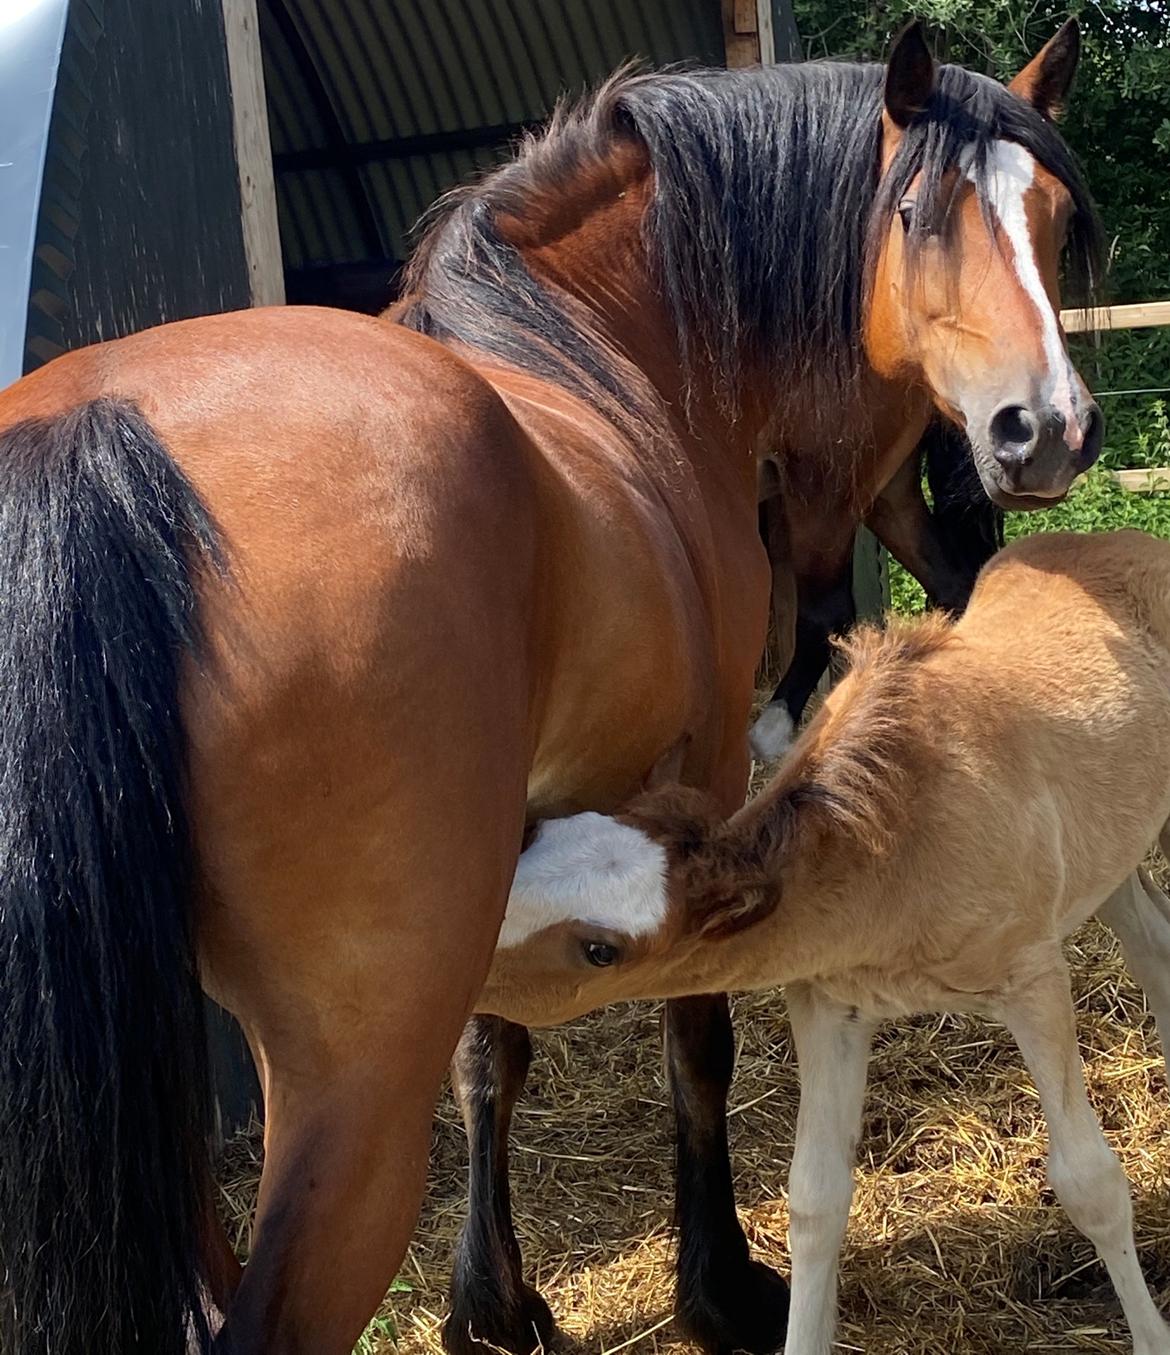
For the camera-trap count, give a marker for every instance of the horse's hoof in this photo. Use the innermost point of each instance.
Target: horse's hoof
(750, 1312)
(772, 734)
(520, 1323)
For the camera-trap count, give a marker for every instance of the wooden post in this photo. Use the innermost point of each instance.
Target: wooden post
(759, 32)
(741, 33)
(871, 577)
(253, 153)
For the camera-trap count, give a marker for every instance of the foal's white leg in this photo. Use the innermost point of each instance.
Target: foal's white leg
(1082, 1169)
(1138, 914)
(832, 1046)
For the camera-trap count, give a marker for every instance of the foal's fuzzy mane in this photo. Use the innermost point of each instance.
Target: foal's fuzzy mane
(858, 762)
(846, 787)
(766, 214)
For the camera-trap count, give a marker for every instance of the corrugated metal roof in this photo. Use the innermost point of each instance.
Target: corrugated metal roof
(378, 106)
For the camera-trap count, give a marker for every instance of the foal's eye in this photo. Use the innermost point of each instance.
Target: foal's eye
(600, 953)
(906, 212)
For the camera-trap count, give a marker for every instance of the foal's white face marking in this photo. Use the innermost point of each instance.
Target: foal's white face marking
(1011, 172)
(588, 868)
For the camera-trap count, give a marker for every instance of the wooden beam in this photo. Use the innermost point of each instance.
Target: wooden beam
(1140, 315)
(1154, 481)
(765, 32)
(759, 32)
(253, 153)
(740, 48)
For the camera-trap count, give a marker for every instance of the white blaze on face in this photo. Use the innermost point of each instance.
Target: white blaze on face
(1011, 171)
(588, 868)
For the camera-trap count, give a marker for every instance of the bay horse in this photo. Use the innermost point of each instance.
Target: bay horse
(306, 614)
(961, 803)
(809, 515)
(942, 545)
(726, 1300)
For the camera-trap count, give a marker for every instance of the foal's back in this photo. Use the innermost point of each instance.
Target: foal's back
(1053, 702)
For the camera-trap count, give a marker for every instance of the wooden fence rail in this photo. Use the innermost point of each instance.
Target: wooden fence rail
(1139, 315)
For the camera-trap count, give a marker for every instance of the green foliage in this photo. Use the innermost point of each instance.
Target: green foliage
(1096, 504)
(382, 1333)
(906, 595)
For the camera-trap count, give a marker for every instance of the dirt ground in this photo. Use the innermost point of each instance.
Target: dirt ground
(955, 1244)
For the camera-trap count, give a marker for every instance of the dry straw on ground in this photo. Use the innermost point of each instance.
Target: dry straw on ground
(955, 1246)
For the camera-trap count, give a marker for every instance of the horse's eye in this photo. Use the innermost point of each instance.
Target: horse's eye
(906, 212)
(600, 953)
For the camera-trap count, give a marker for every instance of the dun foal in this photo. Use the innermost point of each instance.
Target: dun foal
(967, 796)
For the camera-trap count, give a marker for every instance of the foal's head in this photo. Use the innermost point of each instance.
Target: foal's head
(978, 202)
(666, 897)
(601, 907)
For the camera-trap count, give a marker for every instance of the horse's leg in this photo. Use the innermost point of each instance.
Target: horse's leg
(1082, 1169)
(831, 613)
(354, 1008)
(902, 522)
(343, 1177)
(491, 1306)
(1138, 914)
(832, 1047)
(772, 731)
(726, 1301)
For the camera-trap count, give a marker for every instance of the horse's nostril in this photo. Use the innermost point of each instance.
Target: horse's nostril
(1013, 433)
(1094, 436)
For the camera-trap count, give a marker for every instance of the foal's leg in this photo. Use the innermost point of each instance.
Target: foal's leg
(832, 1046)
(1082, 1169)
(726, 1301)
(1138, 914)
(490, 1303)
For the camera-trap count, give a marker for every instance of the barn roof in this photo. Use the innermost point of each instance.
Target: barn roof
(378, 106)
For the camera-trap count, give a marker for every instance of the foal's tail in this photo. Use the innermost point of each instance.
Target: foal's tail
(103, 1069)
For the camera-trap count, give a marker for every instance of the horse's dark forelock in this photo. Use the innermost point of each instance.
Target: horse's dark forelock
(765, 222)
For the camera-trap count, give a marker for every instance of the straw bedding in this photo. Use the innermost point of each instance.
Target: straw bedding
(955, 1244)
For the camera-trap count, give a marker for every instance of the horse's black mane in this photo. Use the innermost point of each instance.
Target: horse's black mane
(766, 212)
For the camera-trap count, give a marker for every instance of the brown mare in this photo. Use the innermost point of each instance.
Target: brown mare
(960, 804)
(725, 1300)
(306, 614)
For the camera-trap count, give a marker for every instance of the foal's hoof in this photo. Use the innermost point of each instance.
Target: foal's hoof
(521, 1324)
(750, 1312)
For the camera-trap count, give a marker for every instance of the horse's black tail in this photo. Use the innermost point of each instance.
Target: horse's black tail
(104, 1172)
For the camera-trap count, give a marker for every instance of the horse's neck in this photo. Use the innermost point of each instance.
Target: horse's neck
(588, 242)
(846, 460)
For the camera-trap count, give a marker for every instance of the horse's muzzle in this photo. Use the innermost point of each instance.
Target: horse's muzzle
(1036, 453)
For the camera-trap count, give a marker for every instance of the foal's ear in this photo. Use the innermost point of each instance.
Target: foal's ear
(1045, 80)
(909, 76)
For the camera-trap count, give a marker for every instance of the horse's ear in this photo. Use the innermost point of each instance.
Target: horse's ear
(1045, 80)
(910, 76)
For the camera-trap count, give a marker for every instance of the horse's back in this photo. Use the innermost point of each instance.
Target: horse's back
(323, 442)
